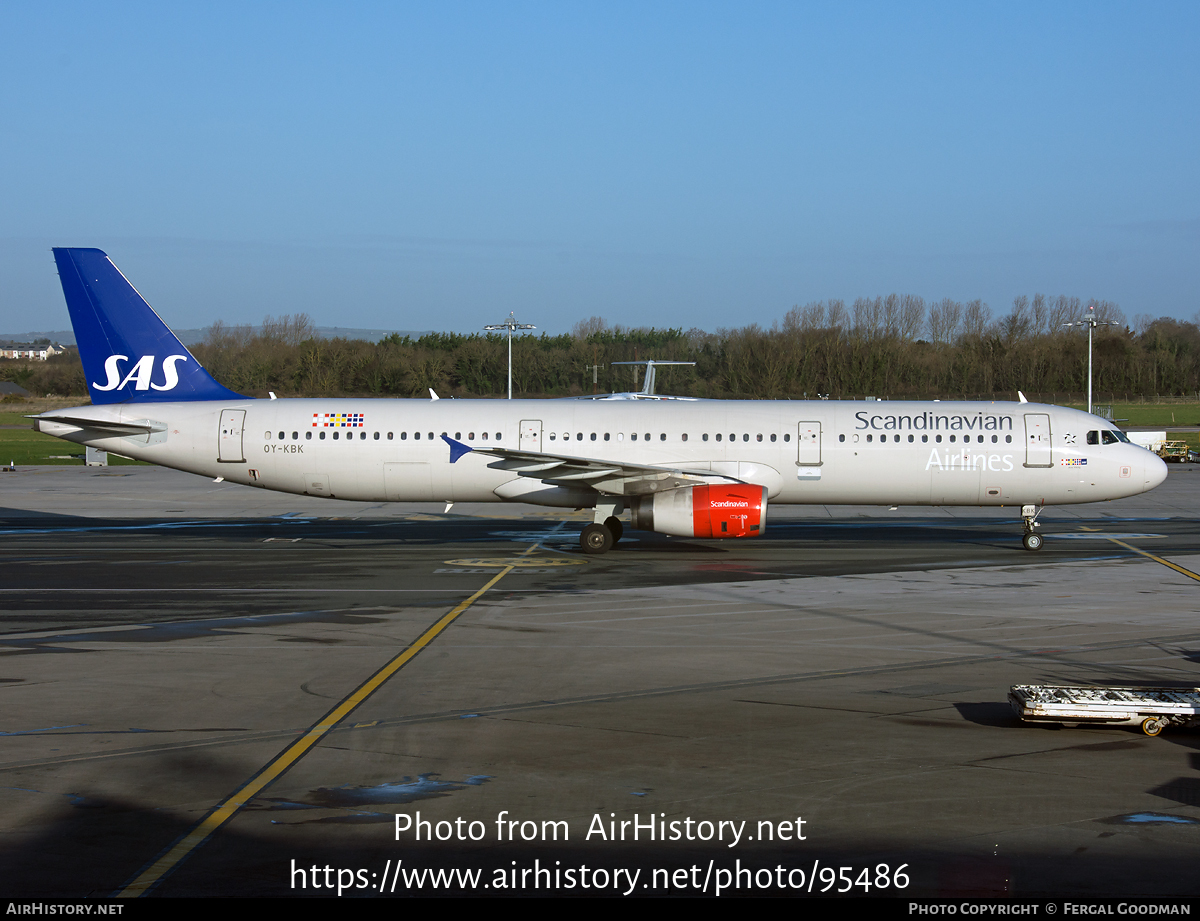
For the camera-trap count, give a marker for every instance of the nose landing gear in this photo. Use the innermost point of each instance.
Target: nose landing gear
(1032, 539)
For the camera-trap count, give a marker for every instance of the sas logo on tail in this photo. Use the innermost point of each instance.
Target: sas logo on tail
(140, 373)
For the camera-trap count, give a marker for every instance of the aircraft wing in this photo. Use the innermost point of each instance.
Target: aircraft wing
(618, 478)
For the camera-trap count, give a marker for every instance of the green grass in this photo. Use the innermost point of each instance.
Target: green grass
(1151, 413)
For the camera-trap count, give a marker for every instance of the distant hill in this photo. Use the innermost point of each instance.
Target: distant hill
(196, 336)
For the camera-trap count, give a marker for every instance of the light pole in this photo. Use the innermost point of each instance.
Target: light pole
(1091, 323)
(510, 324)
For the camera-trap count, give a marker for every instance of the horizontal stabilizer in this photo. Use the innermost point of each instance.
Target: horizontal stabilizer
(103, 425)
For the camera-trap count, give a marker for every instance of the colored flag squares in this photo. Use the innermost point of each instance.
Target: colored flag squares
(338, 420)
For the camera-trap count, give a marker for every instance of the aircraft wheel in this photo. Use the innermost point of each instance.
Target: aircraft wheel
(613, 523)
(1152, 726)
(1032, 540)
(596, 538)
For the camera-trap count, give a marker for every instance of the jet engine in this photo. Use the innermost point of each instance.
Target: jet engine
(738, 510)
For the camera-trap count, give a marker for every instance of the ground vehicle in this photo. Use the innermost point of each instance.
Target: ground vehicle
(1174, 452)
(1152, 708)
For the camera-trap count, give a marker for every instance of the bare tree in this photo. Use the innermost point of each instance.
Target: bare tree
(891, 316)
(944, 318)
(805, 319)
(1018, 324)
(976, 316)
(589, 327)
(868, 318)
(1039, 312)
(836, 316)
(912, 316)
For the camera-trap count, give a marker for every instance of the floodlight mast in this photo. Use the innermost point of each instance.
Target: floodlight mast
(509, 324)
(1091, 323)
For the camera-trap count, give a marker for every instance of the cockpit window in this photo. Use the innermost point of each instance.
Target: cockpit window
(1093, 438)
(1110, 438)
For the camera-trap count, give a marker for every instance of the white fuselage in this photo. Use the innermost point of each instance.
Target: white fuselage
(811, 452)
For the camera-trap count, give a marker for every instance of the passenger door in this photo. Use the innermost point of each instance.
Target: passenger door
(1037, 440)
(229, 444)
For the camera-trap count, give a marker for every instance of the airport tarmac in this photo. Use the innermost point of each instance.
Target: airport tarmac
(164, 639)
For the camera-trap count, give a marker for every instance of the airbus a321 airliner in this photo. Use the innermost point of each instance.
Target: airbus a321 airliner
(702, 468)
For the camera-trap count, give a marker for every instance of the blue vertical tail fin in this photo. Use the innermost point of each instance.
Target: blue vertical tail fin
(129, 355)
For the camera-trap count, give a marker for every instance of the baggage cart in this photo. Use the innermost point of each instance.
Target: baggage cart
(1154, 709)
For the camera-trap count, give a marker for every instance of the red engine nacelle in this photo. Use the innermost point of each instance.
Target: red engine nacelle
(704, 511)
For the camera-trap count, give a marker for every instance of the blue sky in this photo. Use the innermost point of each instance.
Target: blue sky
(434, 166)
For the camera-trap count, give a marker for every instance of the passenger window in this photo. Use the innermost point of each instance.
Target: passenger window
(952, 439)
(994, 439)
(593, 436)
(759, 437)
(322, 436)
(704, 437)
(924, 439)
(1008, 439)
(662, 437)
(497, 436)
(336, 435)
(458, 436)
(910, 439)
(841, 437)
(282, 435)
(295, 435)
(718, 436)
(937, 438)
(633, 436)
(484, 436)
(471, 436)
(308, 436)
(684, 436)
(787, 437)
(431, 436)
(647, 436)
(404, 436)
(417, 436)
(389, 436)
(606, 436)
(551, 436)
(267, 436)
(870, 438)
(772, 436)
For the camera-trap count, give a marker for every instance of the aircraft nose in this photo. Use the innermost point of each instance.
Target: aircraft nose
(1156, 472)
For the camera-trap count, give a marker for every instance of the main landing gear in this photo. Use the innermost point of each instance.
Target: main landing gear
(1032, 539)
(605, 530)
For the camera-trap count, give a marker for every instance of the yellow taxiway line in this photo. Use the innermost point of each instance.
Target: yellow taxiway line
(153, 874)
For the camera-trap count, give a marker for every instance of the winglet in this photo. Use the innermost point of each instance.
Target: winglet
(457, 448)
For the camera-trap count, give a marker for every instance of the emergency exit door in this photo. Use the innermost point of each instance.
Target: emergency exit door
(531, 435)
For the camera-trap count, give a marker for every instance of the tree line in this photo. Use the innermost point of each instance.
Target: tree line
(898, 346)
